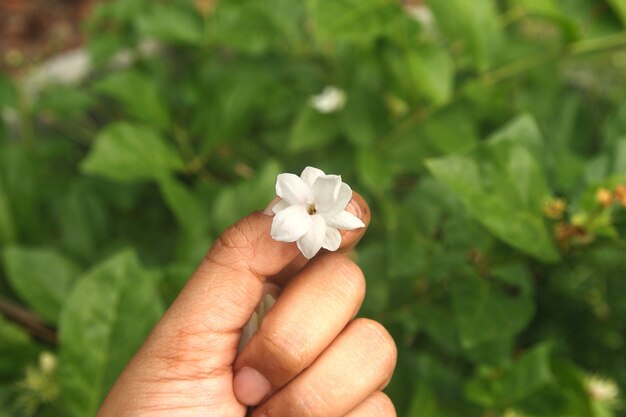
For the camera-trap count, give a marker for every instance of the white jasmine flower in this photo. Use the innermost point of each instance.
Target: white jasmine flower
(421, 14)
(602, 389)
(312, 211)
(331, 100)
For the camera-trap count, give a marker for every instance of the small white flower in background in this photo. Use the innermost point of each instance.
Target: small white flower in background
(331, 100)
(312, 211)
(423, 15)
(47, 362)
(602, 389)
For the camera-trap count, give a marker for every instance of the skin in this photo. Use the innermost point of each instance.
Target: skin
(310, 356)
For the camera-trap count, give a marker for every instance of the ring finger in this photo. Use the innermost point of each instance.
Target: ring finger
(357, 364)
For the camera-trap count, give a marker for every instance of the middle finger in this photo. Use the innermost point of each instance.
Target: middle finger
(311, 311)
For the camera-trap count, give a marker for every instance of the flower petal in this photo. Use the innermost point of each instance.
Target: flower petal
(310, 174)
(343, 198)
(291, 224)
(325, 192)
(312, 241)
(345, 221)
(332, 240)
(279, 206)
(291, 188)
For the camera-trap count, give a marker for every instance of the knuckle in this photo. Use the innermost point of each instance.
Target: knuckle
(237, 236)
(287, 355)
(308, 404)
(233, 246)
(381, 343)
(190, 357)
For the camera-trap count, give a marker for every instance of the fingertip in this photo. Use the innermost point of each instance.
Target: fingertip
(249, 243)
(268, 211)
(357, 206)
(250, 386)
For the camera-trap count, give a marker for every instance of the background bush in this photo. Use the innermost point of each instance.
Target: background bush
(489, 138)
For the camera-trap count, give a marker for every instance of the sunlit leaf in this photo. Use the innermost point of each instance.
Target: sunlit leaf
(16, 349)
(502, 185)
(127, 152)
(106, 318)
(41, 277)
(138, 95)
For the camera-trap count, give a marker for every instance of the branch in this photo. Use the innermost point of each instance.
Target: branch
(28, 320)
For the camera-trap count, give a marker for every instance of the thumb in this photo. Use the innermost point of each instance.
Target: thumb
(196, 340)
(193, 346)
(224, 290)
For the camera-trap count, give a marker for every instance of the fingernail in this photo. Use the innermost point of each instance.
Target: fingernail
(355, 208)
(268, 210)
(250, 386)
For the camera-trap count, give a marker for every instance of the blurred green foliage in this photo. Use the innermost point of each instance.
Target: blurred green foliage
(488, 136)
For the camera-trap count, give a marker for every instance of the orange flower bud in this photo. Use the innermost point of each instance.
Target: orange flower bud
(620, 194)
(604, 197)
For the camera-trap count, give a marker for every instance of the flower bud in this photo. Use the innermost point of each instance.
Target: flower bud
(47, 362)
(604, 197)
(553, 208)
(620, 194)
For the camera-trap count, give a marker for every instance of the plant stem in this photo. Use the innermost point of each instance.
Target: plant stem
(28, 320)
(598, 44)
(586, 46)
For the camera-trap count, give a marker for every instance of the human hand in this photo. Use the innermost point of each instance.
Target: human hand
(310, 357)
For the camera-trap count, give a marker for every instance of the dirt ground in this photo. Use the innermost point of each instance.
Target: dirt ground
(32, 30)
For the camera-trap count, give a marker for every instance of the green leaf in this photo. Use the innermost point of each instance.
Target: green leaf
(502, 185)
(423, 403)
(528, 374)
(506, 388)
(474, 24)
(16, 350)
(354, 20)
(431, 70)
(489, 309)
(551, 10)
(8, 232)
(186, 207)
(241, 199)
(127, 152)
(171, 23)
(41, 277)
(8, 92)
(312, 129)
(620, 8)
(258, 26)
(523, 130)
(64, 102)
(373, 172)
(139, 96)
(83, 218)
(450, 130)
(107, 316)
(363, 120)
